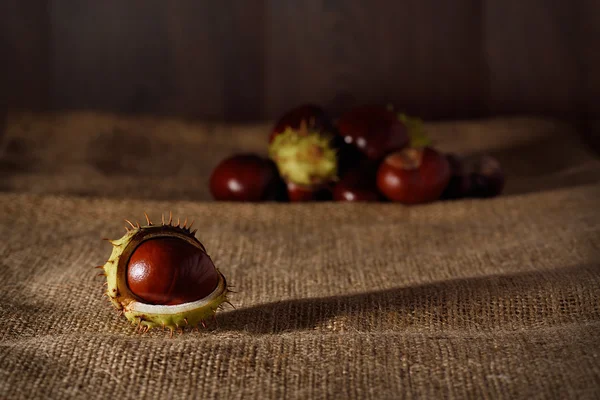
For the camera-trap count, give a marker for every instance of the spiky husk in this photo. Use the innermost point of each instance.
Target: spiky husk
(304, 157)
(147, 316)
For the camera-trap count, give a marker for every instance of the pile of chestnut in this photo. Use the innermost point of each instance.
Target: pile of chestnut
(371, 153)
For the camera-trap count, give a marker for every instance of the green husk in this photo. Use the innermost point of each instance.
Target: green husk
(148, 316)
(304, 157)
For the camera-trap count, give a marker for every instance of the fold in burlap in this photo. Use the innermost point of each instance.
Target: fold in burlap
(467, 299)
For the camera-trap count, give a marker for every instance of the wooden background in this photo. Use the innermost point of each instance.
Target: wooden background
(252, 59)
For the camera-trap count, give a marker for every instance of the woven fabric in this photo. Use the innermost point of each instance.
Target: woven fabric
(477, 299)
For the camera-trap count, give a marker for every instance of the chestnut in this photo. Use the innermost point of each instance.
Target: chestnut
(245, 177)
(170, 271)
(160, 275)
(460, 180)
(487, 178)
(413, 175)
(315, 118)
(358, 184)
(374, 130)
(299, 193)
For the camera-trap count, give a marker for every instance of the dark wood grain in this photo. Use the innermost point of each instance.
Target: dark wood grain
(588, 47)
(240, 61)
(244, 48)
(24, 54)
(110, 55)
(532, 52)
(195, 67)
(420, 55)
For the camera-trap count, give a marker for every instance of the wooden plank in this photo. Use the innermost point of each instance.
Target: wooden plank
(110, 55)
(244, 45)
(188, 58)
(588, 47)
(24, 54)
(531, 50)
(422, 55)
(195, 58)
(252, 60)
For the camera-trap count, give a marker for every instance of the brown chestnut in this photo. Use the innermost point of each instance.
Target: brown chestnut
(245, 177)
(460, 180)
(487, 178)
(312, 115)
(374, 130)
(413, 175)
(300, 193)
(170, 271)
(358, 184)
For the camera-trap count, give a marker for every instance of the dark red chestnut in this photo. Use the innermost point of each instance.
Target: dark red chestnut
(170, 271)
(299, 193)
(358, 184)
(312, 115)
(245, 177)
(460, 180)
(487, 178)
(374, 130)
(413, 175)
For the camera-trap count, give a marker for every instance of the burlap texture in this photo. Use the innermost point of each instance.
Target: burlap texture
(468, 299)
(169, 159)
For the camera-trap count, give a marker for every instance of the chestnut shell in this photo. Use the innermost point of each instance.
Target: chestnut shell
(161, 276)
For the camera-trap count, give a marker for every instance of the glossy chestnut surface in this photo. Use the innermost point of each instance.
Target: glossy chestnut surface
(374, 130)
(245, 177)
(315, 118)
(300, 193)
(170, 271)
(413, 176)
(487, 178)
(460, 180)
(358, 184)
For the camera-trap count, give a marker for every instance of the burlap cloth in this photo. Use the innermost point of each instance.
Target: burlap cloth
(468, 299)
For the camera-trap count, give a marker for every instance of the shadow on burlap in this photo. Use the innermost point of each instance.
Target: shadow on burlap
(468, 299)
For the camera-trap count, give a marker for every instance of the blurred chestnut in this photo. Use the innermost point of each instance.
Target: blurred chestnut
(487, 178)
(358, 184)
(312, 115)
(245, 177)
(374, 130)
(460, 180)
(300, 193)
(413, 175)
